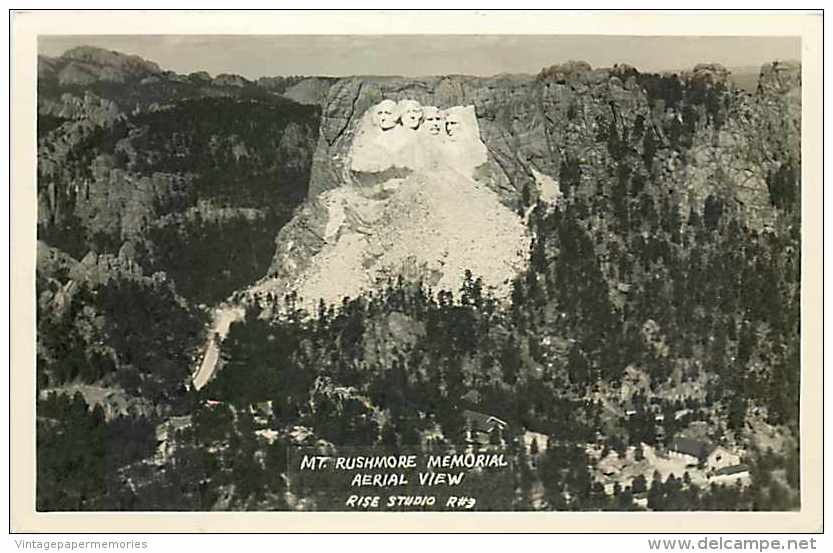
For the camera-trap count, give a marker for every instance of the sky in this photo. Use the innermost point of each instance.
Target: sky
(254, 56)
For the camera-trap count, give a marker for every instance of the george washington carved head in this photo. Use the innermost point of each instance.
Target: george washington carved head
(385, 114)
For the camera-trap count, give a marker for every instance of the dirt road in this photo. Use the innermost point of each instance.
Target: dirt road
(224, 315)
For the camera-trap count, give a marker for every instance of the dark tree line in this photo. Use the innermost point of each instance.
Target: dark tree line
(79, 454)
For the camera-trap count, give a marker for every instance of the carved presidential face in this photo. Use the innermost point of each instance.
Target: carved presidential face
(410, 113)
(453, 124)
(433, 119)
(385, 114)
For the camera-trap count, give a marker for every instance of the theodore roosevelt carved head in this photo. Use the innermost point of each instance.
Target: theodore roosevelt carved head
(433, 119)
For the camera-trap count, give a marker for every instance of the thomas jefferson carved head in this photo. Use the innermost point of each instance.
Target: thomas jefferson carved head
(410, 112)
(385, 114)
(433, 119)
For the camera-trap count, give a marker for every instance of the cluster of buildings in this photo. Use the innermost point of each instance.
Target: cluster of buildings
(716, 460)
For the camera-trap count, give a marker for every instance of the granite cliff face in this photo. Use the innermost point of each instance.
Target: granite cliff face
(781, 77)
(508, 113)
(533, 122)
(410, 202)
(570, 135)
(511, 128)
(564, 132)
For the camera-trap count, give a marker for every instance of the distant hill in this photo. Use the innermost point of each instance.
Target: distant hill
(136, 84)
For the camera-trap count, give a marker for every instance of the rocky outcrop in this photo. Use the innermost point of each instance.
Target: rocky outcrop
(409, 201)
(226, 79)
(86, 65)
(62, 276)
(136, 84)
(508, 113)
(125, 64)
(710, 74)
(780, 78)
(571, 122)
(428, 227)
(90, 107)
(529, 124)
(312, 91)
(413, 202)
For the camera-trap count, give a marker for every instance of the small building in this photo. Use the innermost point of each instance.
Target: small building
(481, 426)
(261, 412)
(731, 475)
(610, 466)
(268, 434)
(736, 470)
(691, 450)
(167, 429)
(641, 499)
(714, 458)
(165, 434)
(721, 458)
(540, 440)
(299, 434)
(483, 422)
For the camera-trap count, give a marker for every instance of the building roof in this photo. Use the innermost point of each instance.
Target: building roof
(736, 469)
(688, 446)
(722, 450)
(171, 425)
(481, 422)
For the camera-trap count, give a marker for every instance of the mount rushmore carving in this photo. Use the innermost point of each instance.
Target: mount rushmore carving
(409, 135)
(410, 114)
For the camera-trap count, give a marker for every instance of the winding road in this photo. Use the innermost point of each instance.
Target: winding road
(224, 315)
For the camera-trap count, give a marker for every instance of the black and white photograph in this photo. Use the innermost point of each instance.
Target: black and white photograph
(418, 273)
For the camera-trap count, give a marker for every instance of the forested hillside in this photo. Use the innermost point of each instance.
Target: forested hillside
(664, 279)
(157, 193)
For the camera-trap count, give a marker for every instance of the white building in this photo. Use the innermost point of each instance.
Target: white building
(721, 458)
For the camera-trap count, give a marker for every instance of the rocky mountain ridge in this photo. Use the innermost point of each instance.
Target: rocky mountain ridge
(136, 84)
(568, 125)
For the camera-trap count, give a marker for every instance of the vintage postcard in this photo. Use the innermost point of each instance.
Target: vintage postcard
(368, 271)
